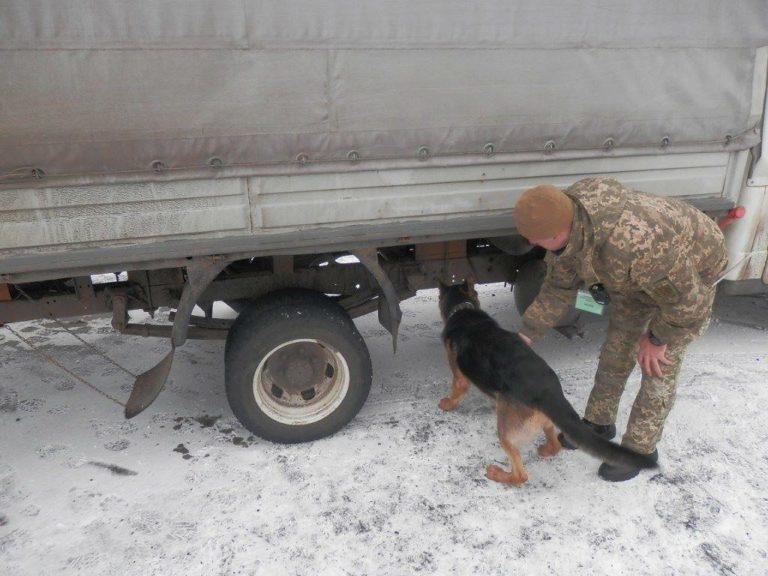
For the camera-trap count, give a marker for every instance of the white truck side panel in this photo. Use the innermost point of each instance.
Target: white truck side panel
(290, 201)
(55, 219)
(102, 216)
(747, 239)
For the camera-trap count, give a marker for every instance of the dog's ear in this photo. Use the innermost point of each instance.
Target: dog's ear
(442, 287)
(468, 289)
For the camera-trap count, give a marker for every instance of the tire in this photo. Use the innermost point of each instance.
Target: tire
(237, 305)
(527, 285)
(296, 368)
(515, 245)
(528, 282)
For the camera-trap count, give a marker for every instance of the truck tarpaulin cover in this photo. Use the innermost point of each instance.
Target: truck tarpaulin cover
(112, 86)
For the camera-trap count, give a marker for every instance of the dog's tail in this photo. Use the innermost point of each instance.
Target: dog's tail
(562, 414)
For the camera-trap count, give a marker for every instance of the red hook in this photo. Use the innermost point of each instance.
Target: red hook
(735, 213)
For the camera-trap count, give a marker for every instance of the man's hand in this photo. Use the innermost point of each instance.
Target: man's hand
(651, 357)
(525, 338)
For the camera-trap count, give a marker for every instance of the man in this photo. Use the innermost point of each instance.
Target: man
(653, 260)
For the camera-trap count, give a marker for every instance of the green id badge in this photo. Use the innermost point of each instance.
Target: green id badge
(586, 303)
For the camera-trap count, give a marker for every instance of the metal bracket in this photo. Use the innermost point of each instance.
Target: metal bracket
(85, 293)
(390, 313)
(200, 273)
(119, 311)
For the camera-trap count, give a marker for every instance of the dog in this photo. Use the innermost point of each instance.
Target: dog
(528, 394)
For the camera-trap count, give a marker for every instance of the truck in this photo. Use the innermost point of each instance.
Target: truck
(311, 162)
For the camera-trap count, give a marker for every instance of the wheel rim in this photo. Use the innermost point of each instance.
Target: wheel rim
(301, 381)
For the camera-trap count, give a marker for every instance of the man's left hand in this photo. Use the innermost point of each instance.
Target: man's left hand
(651, 357)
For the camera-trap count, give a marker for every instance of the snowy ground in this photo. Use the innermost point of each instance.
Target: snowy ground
(400, 491)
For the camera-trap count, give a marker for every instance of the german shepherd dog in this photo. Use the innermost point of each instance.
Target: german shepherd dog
(528, 394)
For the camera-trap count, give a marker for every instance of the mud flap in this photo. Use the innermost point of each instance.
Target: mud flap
(148, 386)
(390, 314)
(200, 273)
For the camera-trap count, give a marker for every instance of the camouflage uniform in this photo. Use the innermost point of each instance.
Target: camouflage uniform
(657, 258)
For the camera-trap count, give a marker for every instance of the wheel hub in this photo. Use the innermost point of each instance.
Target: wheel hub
(298, 368)
(301, 381)
(298, 375)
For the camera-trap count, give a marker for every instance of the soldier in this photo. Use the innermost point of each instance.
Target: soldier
(655, 261)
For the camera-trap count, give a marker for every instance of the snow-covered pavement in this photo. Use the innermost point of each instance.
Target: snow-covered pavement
(184, 490)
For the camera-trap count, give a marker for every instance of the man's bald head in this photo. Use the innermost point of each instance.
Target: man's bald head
(543, 212)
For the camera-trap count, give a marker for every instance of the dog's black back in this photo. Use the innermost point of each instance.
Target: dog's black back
(498, 361)
(501, 365)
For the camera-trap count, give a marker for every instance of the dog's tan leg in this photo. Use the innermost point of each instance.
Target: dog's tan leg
(509, 424)
(517, 476)
(460, 384)
(552, 446)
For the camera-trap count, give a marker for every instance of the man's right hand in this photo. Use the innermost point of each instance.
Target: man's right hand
(652, 357)
(525, 338)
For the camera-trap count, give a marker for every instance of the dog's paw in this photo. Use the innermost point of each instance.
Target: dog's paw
(548, 450)
(448, 404)
(497, 474)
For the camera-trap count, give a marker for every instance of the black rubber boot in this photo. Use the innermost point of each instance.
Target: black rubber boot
(607, 431)
(612, 473)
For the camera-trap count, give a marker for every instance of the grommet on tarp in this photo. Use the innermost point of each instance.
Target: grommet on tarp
(728, 140)
(489, 149)
(215, 162)
(38, 173)
(302, 159)
(158, 166)
(549, 147)
(423, 153)
(665, 142)
(353, 156)
(609, 144)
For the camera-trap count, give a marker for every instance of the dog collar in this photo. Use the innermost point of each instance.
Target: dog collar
(463, 306)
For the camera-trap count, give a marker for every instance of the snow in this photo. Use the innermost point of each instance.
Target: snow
(401, 490)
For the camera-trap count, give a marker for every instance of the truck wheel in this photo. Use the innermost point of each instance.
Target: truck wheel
(528, 282)
(236, 305)
(296, 368)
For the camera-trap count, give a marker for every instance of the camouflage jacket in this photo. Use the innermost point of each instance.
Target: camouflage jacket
(655, 250)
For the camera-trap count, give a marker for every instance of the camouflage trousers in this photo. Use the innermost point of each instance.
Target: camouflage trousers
(628, 321)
